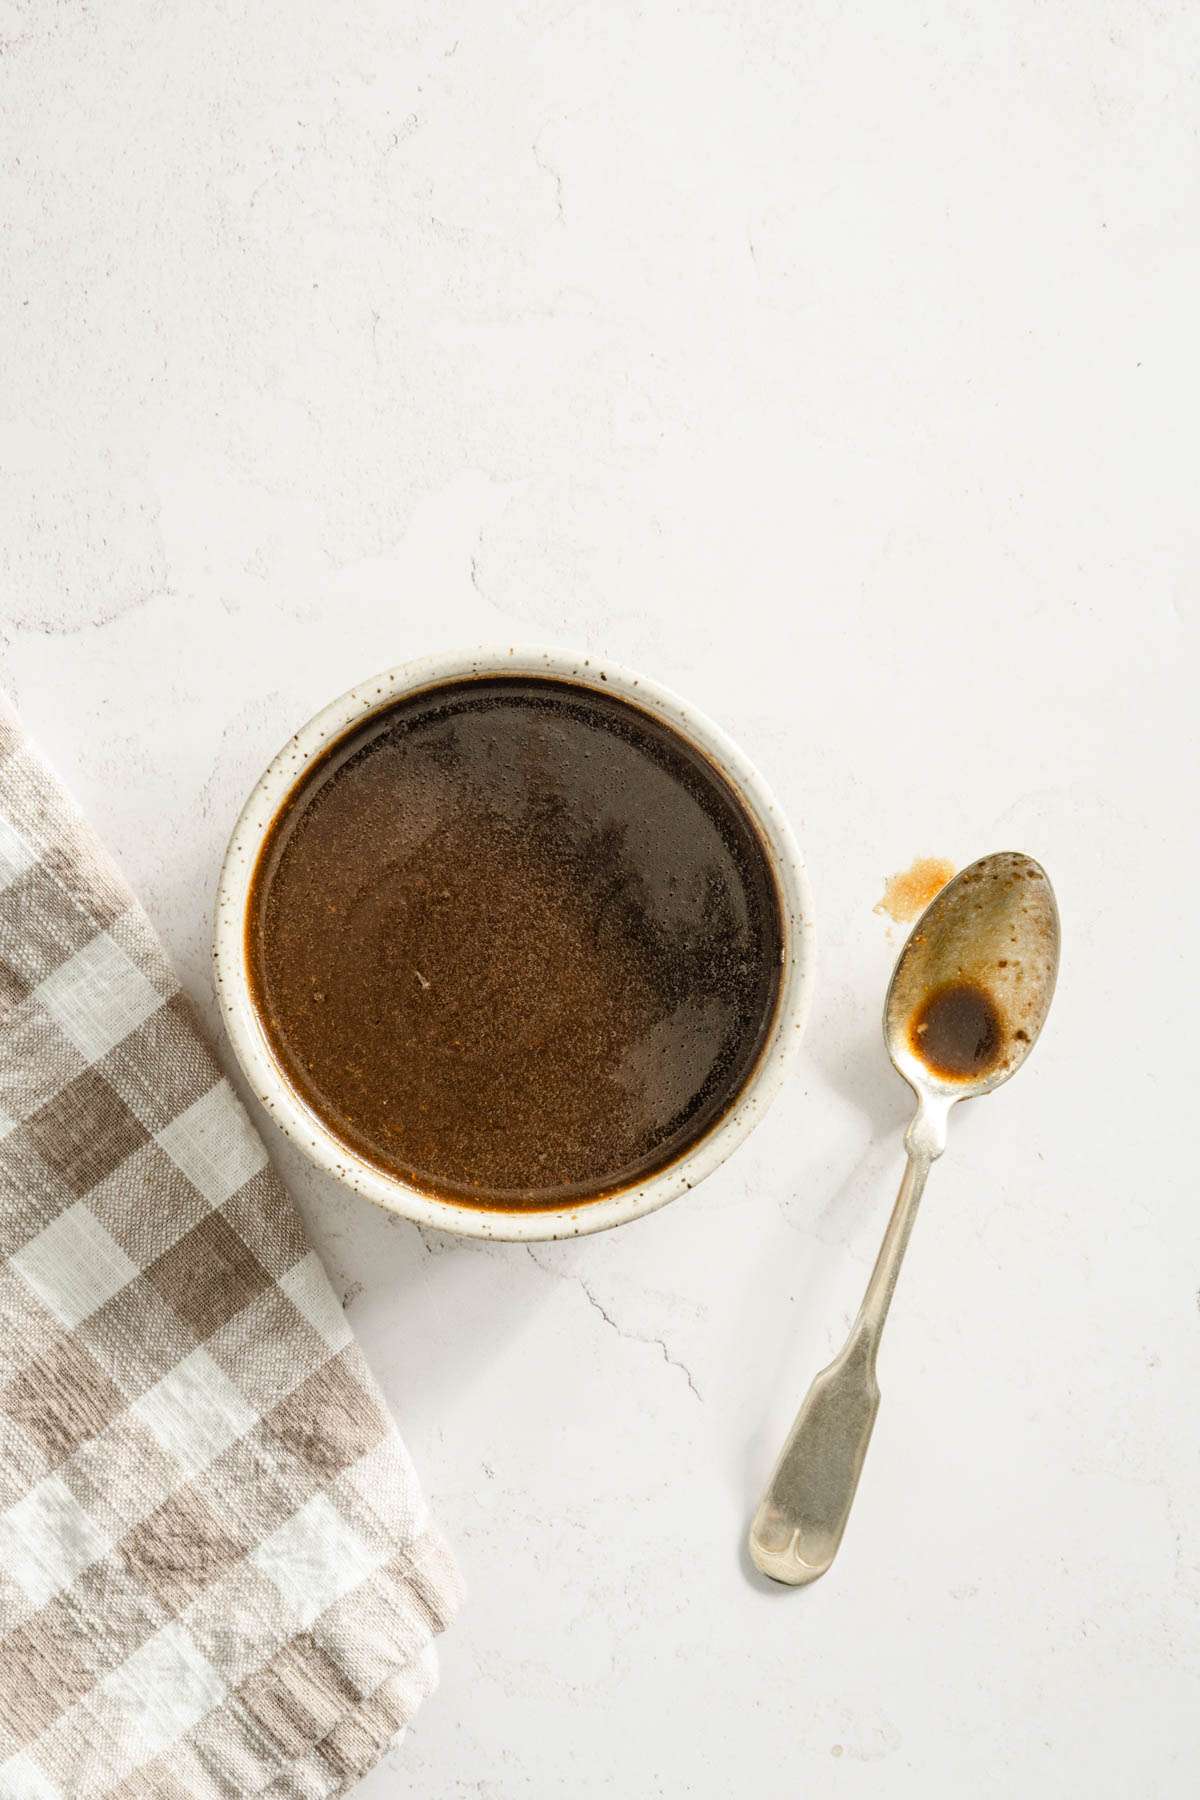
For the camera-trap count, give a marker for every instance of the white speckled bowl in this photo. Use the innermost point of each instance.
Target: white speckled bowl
(304, 1127)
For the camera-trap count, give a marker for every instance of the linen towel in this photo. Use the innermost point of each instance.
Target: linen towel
(217, 1573)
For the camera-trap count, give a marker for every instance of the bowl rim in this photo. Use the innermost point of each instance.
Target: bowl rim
(303, 1126)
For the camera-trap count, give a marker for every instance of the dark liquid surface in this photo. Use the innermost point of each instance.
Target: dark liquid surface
(515, 942)
(957, 1032)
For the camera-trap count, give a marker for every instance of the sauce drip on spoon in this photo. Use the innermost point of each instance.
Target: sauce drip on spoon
(957, 1031)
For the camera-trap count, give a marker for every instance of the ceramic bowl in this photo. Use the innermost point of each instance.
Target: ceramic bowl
(292, 1114)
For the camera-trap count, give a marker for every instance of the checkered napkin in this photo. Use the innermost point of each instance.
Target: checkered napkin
(217, 1574)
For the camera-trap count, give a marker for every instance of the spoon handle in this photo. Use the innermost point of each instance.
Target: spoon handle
(800, 1521)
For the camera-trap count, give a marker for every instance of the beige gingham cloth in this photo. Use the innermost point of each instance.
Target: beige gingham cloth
(217, 1573)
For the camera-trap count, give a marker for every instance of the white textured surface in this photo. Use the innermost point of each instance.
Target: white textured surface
(836, 364)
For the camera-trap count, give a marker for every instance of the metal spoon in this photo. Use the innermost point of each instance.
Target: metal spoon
(967, 999)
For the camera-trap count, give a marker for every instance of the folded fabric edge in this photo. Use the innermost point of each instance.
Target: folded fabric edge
(428, 1590)
(361, 1737)
(299, 1730)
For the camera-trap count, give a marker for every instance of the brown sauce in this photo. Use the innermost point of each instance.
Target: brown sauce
(957, 1031)
(515, 942)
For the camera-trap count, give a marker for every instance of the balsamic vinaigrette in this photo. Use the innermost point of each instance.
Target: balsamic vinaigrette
(957, 1032)
(515, 942)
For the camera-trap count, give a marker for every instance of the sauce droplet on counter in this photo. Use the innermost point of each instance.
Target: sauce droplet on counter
(956, 1031)
(909, 893)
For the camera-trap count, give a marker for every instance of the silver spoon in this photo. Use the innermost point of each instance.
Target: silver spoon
(967, 1000)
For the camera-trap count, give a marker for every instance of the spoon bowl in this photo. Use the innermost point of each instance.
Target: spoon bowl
(973, 984)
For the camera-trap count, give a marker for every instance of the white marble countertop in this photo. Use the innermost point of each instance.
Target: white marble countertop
(836, 365)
